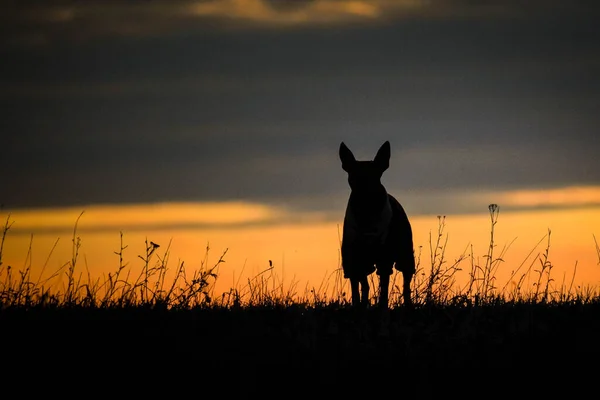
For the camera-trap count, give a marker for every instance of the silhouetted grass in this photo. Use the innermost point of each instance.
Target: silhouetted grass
(266, 338)
(157, 285)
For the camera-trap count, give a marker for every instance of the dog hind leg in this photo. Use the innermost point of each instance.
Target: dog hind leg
(384, 285)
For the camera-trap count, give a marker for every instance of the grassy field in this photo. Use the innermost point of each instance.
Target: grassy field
(144, 334)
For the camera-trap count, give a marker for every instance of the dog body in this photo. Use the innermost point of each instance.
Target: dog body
(377, 235)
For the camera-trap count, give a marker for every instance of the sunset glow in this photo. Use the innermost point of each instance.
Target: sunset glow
(305, 252)
(302, 13)
(215, 215)
(148, 216)
(563, 197)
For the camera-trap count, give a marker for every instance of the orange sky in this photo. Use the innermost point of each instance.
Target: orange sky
(305, 253)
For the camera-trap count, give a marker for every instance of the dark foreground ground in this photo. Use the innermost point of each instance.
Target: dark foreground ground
(296, 352)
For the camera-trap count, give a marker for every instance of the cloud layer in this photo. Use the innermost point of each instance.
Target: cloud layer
(42, 22)
(185, 101)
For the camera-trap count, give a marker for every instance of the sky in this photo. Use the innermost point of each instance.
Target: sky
(145, 102)
(216, 124)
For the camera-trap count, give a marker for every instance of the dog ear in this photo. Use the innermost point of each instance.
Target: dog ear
(347, 157)
(382, 159)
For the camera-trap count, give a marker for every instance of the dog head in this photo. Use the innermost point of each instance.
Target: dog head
(364, 177)
(368, 198)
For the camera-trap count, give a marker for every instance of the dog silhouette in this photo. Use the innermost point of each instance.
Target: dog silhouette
(377, 235)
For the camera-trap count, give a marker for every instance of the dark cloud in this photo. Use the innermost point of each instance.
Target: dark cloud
(44, 22)
(193, 112)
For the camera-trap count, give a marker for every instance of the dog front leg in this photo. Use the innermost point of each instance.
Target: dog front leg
(384, 285)
(355, 291)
